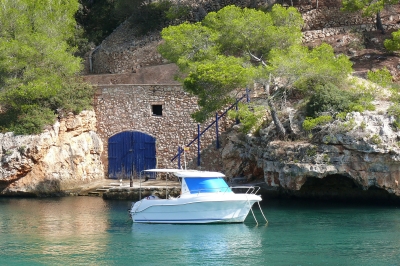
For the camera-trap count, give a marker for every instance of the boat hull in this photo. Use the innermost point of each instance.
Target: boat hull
(202, 209)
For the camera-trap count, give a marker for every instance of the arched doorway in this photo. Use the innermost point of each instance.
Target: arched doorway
(129, 153)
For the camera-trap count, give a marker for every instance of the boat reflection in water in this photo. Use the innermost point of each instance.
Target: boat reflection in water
(205, 198)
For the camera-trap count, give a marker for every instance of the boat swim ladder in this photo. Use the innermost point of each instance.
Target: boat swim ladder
(255, 219)
(259, 206)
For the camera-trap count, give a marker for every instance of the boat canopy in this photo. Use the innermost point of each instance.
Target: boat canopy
(187, 173)
(197, 174)
(162, 170)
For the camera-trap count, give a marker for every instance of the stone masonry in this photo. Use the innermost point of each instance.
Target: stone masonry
(129, 108)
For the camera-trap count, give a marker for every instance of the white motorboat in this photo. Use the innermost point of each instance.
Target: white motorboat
(205, 198)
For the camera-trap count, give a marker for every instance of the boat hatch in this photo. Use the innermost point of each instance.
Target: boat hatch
(204, 185)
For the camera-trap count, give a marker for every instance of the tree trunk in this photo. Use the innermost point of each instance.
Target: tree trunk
(379, 25)
(279, 127)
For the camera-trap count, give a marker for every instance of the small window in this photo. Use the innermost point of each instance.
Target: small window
(156, 109)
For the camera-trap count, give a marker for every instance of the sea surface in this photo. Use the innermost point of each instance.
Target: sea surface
(93, 231)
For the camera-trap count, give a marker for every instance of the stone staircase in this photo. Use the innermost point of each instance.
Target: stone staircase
(98, 192)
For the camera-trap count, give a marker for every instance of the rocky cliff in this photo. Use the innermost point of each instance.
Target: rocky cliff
(56, 162)
(358, 158)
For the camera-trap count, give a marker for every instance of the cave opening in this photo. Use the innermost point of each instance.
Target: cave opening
(342, 188)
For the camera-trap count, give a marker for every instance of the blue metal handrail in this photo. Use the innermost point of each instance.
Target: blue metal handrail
(199, 134)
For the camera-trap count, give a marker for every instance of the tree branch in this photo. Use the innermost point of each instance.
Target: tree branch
(258, 59)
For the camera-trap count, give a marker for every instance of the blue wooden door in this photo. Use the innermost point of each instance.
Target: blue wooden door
(129, 153)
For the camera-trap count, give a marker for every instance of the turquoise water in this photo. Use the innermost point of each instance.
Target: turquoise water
(91, 231)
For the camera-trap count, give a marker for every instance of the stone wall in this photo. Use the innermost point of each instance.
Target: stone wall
(313, 35)
(129, 108)
(123, 52)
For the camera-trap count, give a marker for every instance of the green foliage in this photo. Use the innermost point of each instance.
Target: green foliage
(307, 69)
(341, 116)
(381, 77)
(215, 54)
(213, 80)
(310, 123)
(311, 152)
(348, 125)
(74, 97)
(376, 139)
(328, 99)
(32, 120)
(238, 46)
(177, 12)
(393, 44)
(151, 17)
(95, 21)
(367, 7)
(394, 93)
(187, 44)
(248, 30)
(250, 116)
(37, 63)
(123, 9)
(394, 110)
(99, 18)
(22, 149)
(363, 125)
(332, 100)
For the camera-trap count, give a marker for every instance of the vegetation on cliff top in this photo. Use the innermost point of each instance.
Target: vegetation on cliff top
(38, 72)
(235, 47)
(228, 49)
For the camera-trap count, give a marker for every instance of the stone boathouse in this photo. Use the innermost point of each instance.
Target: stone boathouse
(143, 117)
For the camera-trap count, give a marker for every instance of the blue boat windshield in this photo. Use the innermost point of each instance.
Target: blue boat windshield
(206, 185)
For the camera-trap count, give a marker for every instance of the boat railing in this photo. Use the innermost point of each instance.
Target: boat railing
(249, 190)
(223, 190)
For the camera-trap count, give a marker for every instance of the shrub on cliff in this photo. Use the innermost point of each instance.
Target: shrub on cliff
(381, 77)
(250, 115)
(393, 44)
(394, 110)
(329, 99)
(311, 123)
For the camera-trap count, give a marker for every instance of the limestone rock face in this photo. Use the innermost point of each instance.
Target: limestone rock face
(57, 161)
(364, 149)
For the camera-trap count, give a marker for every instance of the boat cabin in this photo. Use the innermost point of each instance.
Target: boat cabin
(194, 182)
